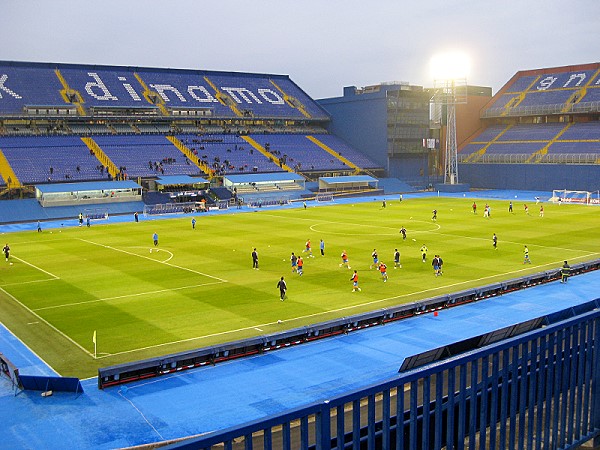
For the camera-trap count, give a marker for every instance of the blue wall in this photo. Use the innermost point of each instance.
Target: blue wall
(542, 177)
(361, 121)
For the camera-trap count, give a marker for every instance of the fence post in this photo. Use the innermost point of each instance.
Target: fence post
(323, 427)
(595, 419)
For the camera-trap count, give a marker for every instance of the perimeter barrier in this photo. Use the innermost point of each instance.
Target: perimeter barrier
(129, 372)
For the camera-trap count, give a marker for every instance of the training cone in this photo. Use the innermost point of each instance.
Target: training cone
(435, 314)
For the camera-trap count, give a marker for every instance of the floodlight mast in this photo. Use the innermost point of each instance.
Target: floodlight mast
(446, 93)
(451, 172)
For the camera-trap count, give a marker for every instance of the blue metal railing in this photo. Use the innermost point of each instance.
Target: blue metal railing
(538, 390)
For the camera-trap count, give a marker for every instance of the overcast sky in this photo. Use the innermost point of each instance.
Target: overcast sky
(322, 45)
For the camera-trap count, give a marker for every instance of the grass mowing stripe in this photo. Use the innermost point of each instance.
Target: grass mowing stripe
(66, 305)
(36, 267)
(41, 319)
(152, 259)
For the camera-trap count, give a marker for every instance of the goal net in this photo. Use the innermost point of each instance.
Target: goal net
(581, 197)
(324, 198)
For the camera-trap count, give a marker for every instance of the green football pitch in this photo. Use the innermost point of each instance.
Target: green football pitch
(198, 288)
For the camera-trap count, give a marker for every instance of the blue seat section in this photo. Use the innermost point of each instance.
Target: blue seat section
(575, 148)
(538, 132)
(228, 154)
(184, 89)
(146, 155)
(592, 94)
(257, 95)
(515, 148)
(31, 158)
(28, 86)
(549, 88)
(299, 152)
(313, 108)
(345, 150)
(502, 100)
(471, 148)
(579, 131)
(106, 87)
(489, 133)
(536, 98)
(521, 84)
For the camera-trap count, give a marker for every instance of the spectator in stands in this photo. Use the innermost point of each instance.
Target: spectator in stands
(51, 170)
(282, 288)
(255, 259)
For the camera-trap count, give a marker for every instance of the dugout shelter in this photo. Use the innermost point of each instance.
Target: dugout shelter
(347, 183)
(263, 182)
(98, 192)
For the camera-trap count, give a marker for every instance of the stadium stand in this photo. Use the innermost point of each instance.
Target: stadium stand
(540, 118)
(37, 159)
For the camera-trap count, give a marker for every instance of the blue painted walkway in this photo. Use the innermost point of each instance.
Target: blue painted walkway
(211, 398)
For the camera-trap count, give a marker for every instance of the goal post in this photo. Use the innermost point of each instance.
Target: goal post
(568, 196)
(324, 197)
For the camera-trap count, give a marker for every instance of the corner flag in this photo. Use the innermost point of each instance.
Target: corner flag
(94, 337)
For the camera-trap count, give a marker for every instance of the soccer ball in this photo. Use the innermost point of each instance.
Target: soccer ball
(11, 264)
(279, 321)
(414, 240)
(150, 250)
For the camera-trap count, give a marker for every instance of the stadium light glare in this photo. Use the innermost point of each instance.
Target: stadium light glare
(453, 65)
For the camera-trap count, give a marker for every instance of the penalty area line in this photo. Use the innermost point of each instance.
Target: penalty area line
(36, 267)
(153, 260)
(41, 319)
(118, 297)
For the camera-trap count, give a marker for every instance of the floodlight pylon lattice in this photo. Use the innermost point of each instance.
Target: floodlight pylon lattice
(450, 93)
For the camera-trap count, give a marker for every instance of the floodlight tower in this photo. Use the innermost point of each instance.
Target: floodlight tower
(449, 93)
(450, 89)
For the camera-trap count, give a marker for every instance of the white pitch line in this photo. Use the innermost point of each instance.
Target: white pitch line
(154, 260)
(41, 319)
(35, 267)
(139, 294)
(346, 308)
(29, 282)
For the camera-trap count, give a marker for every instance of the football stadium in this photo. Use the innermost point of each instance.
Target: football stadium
(210, 259)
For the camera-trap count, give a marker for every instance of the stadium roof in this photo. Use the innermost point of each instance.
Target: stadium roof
(264, 177)
(179, 179)
(349, 179)
(90, 186)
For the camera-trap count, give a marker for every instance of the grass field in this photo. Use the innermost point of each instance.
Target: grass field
(198, 287)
